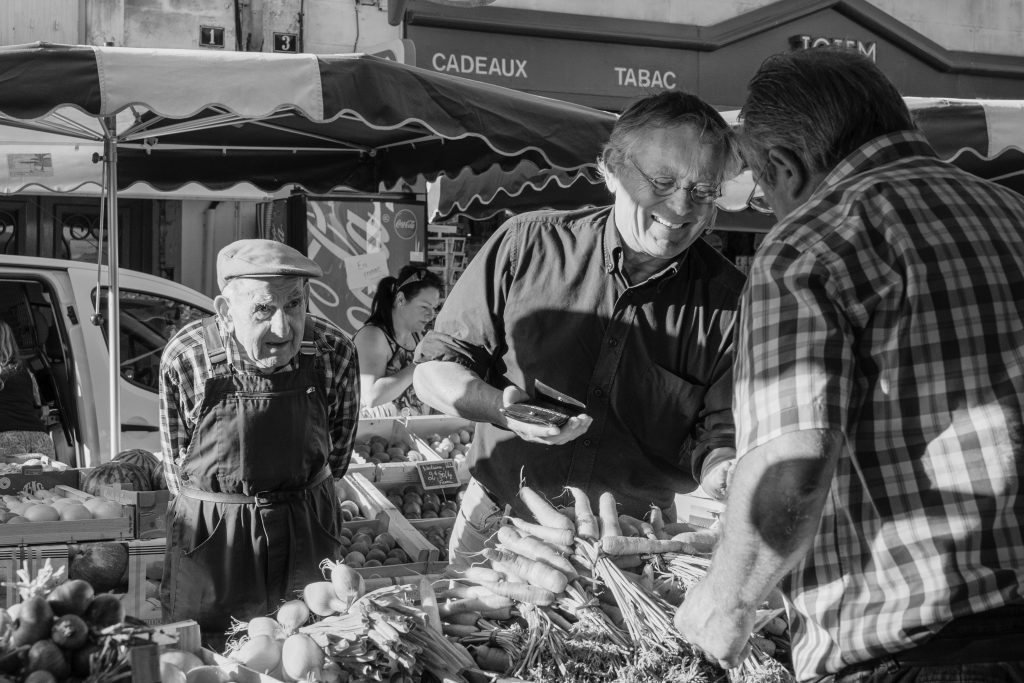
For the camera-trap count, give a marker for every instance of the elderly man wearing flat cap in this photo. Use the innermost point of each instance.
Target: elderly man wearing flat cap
(258, 411)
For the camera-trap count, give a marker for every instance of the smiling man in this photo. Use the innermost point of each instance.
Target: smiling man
(624, 308)
(258, 409)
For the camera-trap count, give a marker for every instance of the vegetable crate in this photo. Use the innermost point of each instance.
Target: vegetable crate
(410, 434)
(377, 509)
(129, 569)
(10, 561)
(64, 531)
(698, 509)
(32, 479)
(148, 509)
(185, 635)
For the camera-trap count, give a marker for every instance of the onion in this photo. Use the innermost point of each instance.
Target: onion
(348, 584)
(292, 615)
(301, 658)
(320, 598)
(264, 626)
(261, 653)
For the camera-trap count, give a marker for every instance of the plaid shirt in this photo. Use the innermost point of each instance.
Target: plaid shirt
(184, 370)
(890, 307)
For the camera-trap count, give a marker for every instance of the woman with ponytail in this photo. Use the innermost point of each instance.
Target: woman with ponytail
(400, 312)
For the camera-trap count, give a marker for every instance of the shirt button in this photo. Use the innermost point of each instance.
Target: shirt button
(586, 442)
(598, 392)
(613, 342)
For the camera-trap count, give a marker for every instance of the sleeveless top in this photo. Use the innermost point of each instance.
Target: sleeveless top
(408, 403)
(18, 411)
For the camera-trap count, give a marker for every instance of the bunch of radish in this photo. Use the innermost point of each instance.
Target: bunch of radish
(275, 646)
(57, 629)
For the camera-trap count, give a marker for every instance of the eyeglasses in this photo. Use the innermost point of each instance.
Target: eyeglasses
(663, 186)
(756, 200)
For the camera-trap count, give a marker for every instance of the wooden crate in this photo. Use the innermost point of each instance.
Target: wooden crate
(411, 431)
(43, 533)
(32, 479)
(142, 600)
(148, 509)
(10, 562)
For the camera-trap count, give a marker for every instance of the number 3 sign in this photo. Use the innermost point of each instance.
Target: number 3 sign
(286, 42)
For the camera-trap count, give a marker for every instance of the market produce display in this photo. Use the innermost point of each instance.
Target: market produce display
(52, 505)
(65, 630)
(417, 503)
(586, 619)
(572, 595)
(378, 450)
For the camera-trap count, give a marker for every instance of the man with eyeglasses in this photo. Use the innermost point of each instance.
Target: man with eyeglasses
(879, 395)
(624, 308)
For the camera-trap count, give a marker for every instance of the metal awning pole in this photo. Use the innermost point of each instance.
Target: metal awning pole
(113, 295)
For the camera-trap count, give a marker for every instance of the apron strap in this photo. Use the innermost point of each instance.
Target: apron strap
(261, 499)
(213, 345)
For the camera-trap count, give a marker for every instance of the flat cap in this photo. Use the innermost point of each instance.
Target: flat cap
(263, 258)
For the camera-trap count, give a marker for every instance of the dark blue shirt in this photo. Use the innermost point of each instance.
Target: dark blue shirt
(546, 298)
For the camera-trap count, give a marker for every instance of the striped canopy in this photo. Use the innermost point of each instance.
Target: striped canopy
(274, 120)
(984, 137)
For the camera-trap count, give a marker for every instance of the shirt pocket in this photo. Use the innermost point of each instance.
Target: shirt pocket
(663, 412)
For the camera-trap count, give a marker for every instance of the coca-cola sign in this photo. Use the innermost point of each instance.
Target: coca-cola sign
(405, 224)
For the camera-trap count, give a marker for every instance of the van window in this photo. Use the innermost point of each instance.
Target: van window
(148, 321)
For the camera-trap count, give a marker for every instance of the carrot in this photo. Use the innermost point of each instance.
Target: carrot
(498, 613)
(478, 574)
(476, 604)
(609, 515)
(464, 618)
(543, 512)
(458, 630)
(559, 537)
(657, 520)
(586, 523)
(532, 572)
(522, 592)
(629, 545)
(492, 659)
(534, 549)
(630, 526)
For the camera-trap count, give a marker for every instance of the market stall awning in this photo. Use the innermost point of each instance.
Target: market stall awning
(984, 137)
(317, 121)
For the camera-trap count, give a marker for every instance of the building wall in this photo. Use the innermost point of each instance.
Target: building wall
(992, 26)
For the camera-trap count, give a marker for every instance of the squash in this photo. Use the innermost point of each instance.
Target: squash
(128, 476)
(148, 461)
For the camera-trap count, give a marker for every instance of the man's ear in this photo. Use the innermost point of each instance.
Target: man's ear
(788, 176)
(222, 307)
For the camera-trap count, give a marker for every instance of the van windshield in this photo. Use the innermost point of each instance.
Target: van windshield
(147, 322)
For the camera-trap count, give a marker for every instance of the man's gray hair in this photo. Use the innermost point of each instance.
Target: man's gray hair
(821, 104)
(667, 110)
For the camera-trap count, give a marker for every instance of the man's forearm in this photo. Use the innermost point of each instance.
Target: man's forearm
(456, 390)
(774, 505)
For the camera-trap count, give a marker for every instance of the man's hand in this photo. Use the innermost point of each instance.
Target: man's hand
(715, 480)
(553, 436)
(723, 637)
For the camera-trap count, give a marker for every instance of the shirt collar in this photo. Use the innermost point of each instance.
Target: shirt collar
(882, 150)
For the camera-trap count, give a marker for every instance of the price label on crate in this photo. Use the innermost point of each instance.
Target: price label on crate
(437, 475)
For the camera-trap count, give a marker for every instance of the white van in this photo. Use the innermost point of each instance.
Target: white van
(50, 305)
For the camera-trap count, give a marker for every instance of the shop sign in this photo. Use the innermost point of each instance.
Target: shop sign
(607, 75)
(211, 36)
(479, 65)
(805, 42)
(286, 42)
(437, 474)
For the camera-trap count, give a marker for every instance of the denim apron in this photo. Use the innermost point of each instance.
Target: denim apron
(256, 512)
